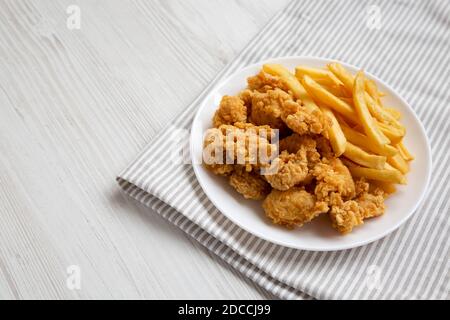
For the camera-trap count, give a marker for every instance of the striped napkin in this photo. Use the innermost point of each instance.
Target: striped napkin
(405, 43)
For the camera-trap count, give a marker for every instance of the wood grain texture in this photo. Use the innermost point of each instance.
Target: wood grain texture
(76, 107)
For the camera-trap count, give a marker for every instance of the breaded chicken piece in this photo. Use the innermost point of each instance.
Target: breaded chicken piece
(290, 169)
(315, 143)
(250, 184)
(246, 96)
(370, 200)
(324, 147)
(266, 108)
(293, 207)
(295, 141)
(303, 121)
(230, 111)
(345, 215)
(220, 169)
(294, 168)
(263, 82)
(332, 176)
(239, 144)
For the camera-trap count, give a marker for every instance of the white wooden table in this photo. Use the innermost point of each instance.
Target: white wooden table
(76, 105)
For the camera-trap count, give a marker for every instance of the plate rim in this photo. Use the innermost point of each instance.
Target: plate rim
(300, 247)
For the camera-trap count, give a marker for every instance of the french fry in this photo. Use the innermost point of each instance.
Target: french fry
(342, 74)
(363, 158)
(398, 163)
(394, 113)
(381, 114)
(387, 175)
(371, 129)
(346, 99)
(346, 77)
(404, 152)
(387, 166)
(387, 187)
(372, 90)
(325, 76)
(337, 137)
(293, 84)
(393, 134)
(328, 99)
(338, 91)
(360, 140)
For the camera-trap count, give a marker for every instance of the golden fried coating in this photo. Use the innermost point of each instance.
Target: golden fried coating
(263, 82)
(220, 169)
(303, 121)
(231, 110)
(266, 108)
(246, 96)
(370, 200)
(294, 168)
(324, 147)
(239, 144)
(333, 176)
(293, 207)
(345, 215)
(250, 184)
(290, 170)
(293, 143)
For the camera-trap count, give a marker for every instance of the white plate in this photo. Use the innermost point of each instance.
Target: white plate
(317, 235)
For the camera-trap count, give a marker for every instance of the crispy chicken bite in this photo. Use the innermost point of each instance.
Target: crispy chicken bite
(315, 143)
(370, 200)
(295, 141)
(290, 170)
(266, 108)
(303, 121)
(220, 169)
(263, 82)
(230, 111)
(324, 147)
(243, 144)
(293, 207)
(246, 96)
(294, 168)
(345, 215)
(250, 184)
(332, 176)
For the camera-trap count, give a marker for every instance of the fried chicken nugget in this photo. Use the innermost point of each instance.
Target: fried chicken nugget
(231, 110)
(293, 207)
(291, 169)
(266, 108)
(250, 184)
(294, 168)
(263, 82)
(242, 143)
(246, 96)
(345, 215)
(332, 176)
(220, 169)
(370, 200)
(315, 143)
(302, 121)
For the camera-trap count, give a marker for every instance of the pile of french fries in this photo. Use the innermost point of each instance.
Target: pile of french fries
(365, 133)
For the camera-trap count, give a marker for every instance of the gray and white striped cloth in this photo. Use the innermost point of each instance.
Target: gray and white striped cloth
(406, 43)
